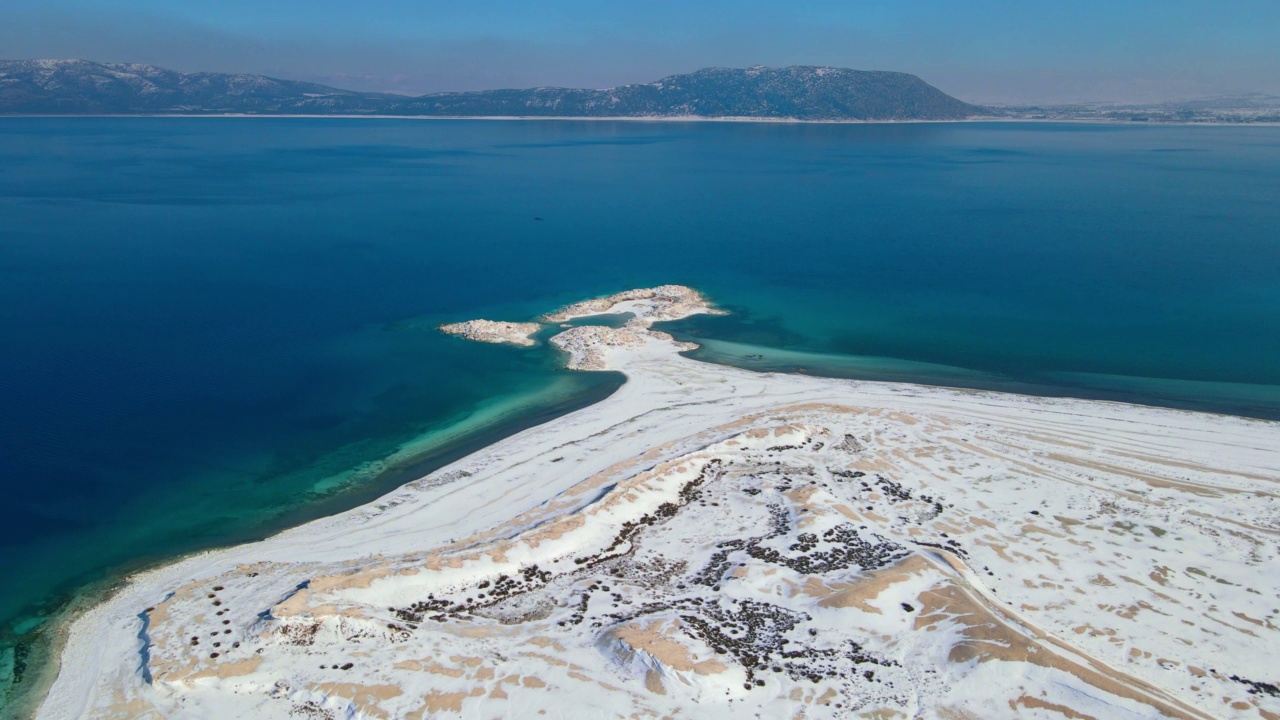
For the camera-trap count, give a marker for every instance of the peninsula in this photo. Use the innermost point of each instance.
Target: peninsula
(719, 543)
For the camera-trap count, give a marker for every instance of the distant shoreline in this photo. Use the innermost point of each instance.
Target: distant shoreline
(651, 119)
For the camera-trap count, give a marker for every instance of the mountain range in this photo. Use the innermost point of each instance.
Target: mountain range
(81, 87)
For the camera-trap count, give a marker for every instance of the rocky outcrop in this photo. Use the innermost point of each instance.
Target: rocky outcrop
(494, 331)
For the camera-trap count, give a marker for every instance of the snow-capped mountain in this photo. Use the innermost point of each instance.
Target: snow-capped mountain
(77, 87)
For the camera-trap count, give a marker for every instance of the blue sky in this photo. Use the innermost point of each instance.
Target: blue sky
(980, 50)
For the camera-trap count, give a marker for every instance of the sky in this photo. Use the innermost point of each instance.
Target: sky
(985, 51)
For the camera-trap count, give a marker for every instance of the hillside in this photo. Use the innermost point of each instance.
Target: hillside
(80, 87)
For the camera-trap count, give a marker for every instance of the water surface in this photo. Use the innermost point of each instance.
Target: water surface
(216, 327)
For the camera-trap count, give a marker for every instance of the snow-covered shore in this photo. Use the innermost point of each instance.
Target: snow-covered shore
(719, 543)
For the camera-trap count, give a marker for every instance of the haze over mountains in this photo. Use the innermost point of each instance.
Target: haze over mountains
(79, 87)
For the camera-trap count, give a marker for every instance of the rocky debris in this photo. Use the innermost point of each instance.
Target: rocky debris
(842, 548)
(849, 444)
(1257, 687)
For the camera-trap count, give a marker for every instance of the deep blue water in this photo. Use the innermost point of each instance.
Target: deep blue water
(216, 327)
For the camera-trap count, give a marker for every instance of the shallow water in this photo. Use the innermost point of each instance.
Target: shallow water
(214, 328)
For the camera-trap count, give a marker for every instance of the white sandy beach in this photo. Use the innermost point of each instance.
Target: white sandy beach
(711, 542)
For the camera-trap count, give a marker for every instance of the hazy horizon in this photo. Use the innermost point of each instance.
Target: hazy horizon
(995, 51)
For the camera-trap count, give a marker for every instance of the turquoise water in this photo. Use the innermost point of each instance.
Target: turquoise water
(215, 328)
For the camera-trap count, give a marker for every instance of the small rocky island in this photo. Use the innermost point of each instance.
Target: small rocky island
(584, 345)
(492, 331)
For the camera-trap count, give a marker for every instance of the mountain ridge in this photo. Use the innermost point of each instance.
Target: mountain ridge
(800, 92)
